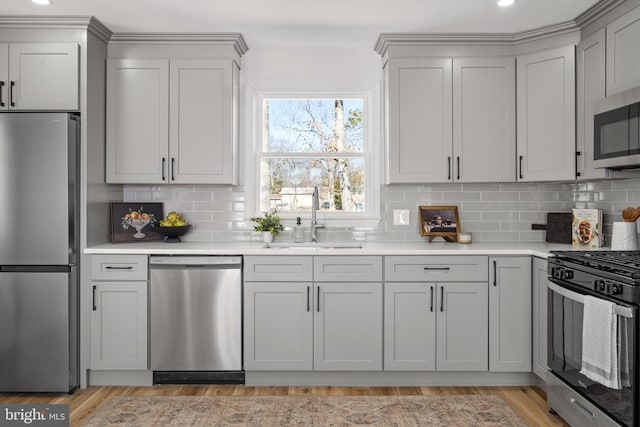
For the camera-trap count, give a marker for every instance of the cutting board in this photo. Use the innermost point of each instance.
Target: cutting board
(559, 227)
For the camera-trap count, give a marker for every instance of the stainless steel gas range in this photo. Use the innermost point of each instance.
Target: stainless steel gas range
(612, 277)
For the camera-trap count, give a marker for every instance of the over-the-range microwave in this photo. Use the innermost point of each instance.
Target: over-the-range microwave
(616, 128)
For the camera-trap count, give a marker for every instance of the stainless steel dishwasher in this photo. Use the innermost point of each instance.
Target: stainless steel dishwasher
(196, 319)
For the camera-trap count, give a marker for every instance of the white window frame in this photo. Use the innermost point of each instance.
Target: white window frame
(371, 134)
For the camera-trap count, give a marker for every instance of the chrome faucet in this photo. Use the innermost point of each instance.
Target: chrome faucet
(315, 205)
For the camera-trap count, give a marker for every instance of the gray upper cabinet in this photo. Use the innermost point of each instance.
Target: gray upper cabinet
(510, 314)
(419, 122)
(591, 85)
(484, 119)
(450, 119)
(39, 76)
(137, 120)
(172, 121)
(203, 113)
(623, 55)
(546, 115)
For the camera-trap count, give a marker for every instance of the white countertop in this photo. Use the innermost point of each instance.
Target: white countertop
(369, 248)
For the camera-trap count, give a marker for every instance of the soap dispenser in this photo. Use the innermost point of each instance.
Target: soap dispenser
(298, 232)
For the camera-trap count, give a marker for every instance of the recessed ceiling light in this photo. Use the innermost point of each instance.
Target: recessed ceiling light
(42, 2)
(505, 3)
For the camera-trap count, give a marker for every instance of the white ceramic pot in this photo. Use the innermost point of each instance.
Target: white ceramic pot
(624, 236)
(267, 237)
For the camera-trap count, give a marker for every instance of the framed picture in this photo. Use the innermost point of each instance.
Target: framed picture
(135, 222)
(439, 221)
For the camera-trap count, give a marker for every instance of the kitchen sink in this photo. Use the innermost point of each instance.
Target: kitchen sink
(310, 246)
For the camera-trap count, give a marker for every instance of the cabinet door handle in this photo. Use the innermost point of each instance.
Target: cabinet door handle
(495, 273)
(441, 298)
(458, 161)
(437, 268)
(164, 165)
(1, 89)
(173, 169)
(449, 168)
(13, 104)
(521, 157)
(318, 302)
(308, 303)
(117, 267)
(93, 297)
(578, 153)
(431, 308)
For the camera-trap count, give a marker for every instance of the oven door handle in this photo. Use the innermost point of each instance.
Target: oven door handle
(574, 296)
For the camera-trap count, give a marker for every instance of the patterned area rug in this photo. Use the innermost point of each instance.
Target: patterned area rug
(431, 410)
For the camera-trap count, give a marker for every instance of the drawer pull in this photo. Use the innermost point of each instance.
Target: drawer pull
(116, 267)
(437, 268)
(585, 410)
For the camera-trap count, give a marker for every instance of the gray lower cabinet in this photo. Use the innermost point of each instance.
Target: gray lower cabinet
(292, 323)
(278, 326)
(118, 312)
(409, 327)
(540, 289)
(348, 327)
(510, 314)
(436, 314)
(436, 326)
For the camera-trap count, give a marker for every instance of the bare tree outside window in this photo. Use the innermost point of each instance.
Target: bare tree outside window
(308, 143)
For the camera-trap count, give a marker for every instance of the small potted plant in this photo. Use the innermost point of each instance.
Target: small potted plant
(269, 225)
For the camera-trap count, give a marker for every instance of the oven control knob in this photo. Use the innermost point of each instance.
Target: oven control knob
(568, 274)
(596, 285)
(616, 289)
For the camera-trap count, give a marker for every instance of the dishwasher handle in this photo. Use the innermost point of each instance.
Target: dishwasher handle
(195, 261)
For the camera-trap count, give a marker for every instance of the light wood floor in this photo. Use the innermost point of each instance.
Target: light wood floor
(528, 402)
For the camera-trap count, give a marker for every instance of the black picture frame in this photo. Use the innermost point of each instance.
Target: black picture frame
(135, 222)
(439, 221)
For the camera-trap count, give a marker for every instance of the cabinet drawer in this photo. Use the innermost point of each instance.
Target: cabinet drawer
(435, 268)
(278, 268)
(119, 267)
(347, 268)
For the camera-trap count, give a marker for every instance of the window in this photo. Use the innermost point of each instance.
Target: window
(321, 141)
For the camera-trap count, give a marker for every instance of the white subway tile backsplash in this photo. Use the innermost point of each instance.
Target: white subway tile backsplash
(493, 212)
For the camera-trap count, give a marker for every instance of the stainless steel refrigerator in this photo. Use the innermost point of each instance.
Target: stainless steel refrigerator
(39, 235)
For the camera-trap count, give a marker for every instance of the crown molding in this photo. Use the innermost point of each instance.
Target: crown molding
(44, 21)
(235, 39)
(596, 11)
(89, 23)
(98, 29)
